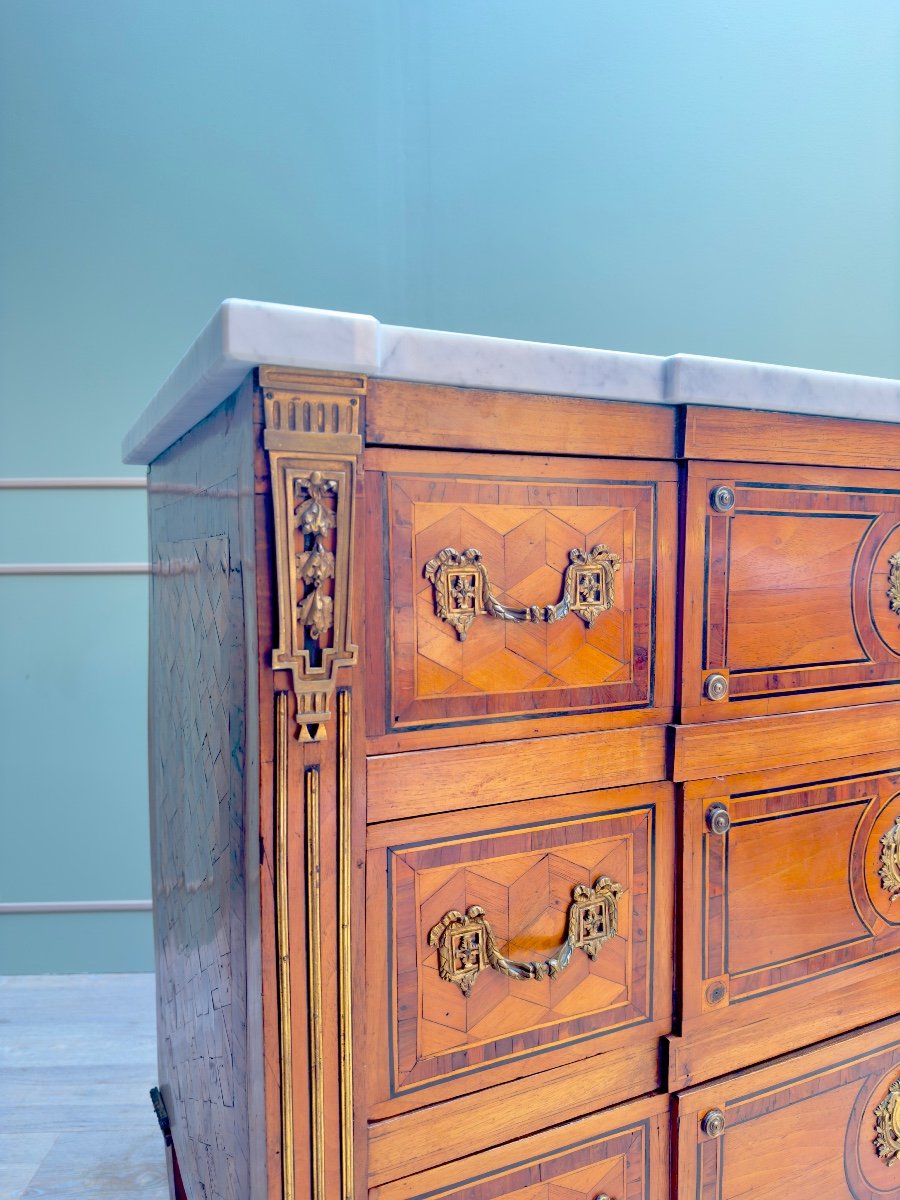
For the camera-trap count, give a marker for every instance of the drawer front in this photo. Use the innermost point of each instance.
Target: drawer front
(515, 589)
(790, 880)
(508, 940)
(620, 1154)
(821, 1125)
(792, 589)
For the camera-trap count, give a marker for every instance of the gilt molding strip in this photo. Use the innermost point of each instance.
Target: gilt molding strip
(314, 969)
(312, 439)
(345, 868)
(282, 928)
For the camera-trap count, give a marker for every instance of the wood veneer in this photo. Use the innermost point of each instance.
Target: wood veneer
(790, 596)
(520, 862)
(428, 415)
(525, 516)
(788, 932)
(802, 1127)
(622, 1152)
(746, 436)
(299, 879)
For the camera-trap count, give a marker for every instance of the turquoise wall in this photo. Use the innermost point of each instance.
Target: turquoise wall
(710, 176)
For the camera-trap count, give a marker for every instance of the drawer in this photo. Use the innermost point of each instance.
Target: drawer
(820, 1125)
(790, 929)
(791, 589)
(508, 940)
(620, 1154)
(509, 595)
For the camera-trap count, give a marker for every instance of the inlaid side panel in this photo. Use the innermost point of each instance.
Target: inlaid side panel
(824, 1125)
(505, 935)
(789, 886)
(513, 588)
(791, 585)
(200, 742)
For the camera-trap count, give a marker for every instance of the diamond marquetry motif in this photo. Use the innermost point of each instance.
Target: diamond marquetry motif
(540, 604)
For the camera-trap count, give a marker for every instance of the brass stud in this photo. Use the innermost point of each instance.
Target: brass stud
(722, 499)
(718, 819)
(716, 992)
(715, 687)
(713, 1124)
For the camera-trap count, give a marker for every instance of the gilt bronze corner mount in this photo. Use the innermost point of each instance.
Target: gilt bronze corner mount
(312, 440)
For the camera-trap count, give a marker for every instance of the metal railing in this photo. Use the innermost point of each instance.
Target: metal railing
(81, 483)
(74, 483)
(32, 907)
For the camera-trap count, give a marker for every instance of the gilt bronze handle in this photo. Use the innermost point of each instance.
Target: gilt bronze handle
(463, 591)
(467, 946)
(894, 582)
(887, 1126)
(889, 869)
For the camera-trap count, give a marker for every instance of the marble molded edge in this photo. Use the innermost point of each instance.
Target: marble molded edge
(241, 335)
(244, 333)
(729, 383)
(472, 360)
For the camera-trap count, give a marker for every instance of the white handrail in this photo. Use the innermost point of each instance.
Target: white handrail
(18, 908)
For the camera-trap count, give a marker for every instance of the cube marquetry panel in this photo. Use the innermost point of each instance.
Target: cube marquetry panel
(522, 870)
(526, 527)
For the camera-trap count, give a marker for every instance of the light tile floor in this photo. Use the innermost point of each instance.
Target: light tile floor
(77, 1061)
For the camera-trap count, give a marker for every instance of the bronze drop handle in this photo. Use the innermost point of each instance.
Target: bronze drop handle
(467, 946)
(463, 591)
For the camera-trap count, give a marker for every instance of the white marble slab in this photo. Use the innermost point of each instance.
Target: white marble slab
(471, 360)
(241, 335)
(693, 379)
(244, 333)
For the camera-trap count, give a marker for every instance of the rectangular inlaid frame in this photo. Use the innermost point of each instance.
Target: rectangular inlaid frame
(624, 1154)
(839, 645)
(621, 1152)
(613, 672)
(789, 932)
(846, 1078)
(579, 837)
(862, 797)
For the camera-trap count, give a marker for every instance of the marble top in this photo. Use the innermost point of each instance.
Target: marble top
(246, 333)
